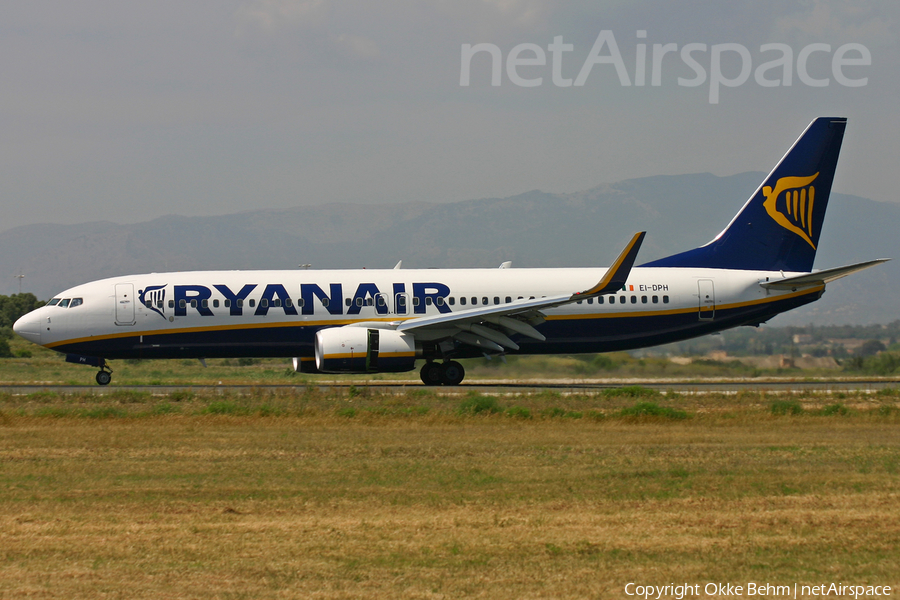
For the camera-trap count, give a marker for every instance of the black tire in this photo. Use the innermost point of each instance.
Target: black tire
(103, 377)
(452, 373)
(432, 374)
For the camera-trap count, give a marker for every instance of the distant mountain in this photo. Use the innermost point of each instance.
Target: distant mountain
(534, 229)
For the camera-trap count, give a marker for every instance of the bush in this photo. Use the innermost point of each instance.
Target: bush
(225, 407)
(631, 391)
(786, 407)
(518, 412)
(553, 412)
(476, 403)
(5, 352)
(652, 409)
(835, 409)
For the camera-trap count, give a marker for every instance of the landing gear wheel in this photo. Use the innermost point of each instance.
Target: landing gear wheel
(432, 374)
(452, 373)
(103, 377)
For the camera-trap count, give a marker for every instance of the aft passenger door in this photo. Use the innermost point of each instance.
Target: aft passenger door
(125, 304)
(707, 299)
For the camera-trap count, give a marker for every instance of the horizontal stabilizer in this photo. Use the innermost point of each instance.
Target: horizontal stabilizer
(820, 277)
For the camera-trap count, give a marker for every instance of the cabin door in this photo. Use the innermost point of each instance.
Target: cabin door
(707, 299)
(124, 304)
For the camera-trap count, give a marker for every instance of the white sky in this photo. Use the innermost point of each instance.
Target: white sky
(126, 111)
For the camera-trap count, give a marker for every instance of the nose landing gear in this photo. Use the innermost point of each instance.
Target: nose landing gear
(104, 375)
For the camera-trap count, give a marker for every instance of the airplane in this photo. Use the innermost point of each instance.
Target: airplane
(376, 321)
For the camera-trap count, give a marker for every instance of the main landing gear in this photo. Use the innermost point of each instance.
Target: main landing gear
(445, 373)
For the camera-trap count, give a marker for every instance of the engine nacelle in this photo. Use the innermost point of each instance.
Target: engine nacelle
(362, 350)
(305, 365)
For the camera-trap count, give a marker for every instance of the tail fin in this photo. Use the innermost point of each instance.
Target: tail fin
(778, 227)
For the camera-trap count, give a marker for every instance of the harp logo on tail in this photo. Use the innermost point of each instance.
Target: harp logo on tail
(791, 204)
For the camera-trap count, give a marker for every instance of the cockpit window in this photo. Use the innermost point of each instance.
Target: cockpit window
(63, 303)
(53, 302)
(76, 302)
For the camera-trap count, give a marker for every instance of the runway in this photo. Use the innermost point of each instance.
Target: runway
(485, 386)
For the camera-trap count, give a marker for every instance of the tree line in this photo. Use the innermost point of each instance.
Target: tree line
(11, 308)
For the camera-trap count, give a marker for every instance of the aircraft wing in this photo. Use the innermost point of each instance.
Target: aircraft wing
(474, 325)
(820, 277)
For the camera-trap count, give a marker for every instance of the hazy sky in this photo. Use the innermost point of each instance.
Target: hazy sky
(125, 111)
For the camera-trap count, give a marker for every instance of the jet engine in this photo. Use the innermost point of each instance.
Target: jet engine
(362, 350)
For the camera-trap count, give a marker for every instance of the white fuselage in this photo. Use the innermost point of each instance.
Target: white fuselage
(276, 313)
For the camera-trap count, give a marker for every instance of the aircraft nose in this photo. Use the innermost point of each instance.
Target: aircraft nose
(29, 327)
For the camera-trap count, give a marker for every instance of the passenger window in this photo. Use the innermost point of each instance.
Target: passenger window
(76, 302)
(634, 299)
(621, 299)
(252, 303)
(599, 299)
(579, 301)
(349, 301)
(380, 301)
(462, 300)
(655, 299)
(204, 303)
(53, 302)
(440, 301)
(643, 299)
(370, 301)
(474, 300)
(590, 300)
(194, 303)
(401, 300)
(496, 299)
(276, 302)
(325, 302)
(216, 303)
(288, 302)
(240, 302)
(359, 302)
(452, 300)
(301, 302)
(171, 304)
(263, 303)
(64, 303)
(227, 303)
(665, 299)
(508, 299)
(428, 300)
(484, 300)
(159, 304)
(148, 303)
(415, 301)
(182, 303)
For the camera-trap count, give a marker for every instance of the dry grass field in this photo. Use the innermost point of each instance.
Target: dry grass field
(430, 496)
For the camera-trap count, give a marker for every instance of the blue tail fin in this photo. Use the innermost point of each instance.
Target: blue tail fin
(778, 228)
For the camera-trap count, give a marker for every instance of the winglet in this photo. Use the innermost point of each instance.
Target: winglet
(618, 273)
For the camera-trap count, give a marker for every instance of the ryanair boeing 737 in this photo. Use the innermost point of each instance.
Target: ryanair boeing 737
(373, 321)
